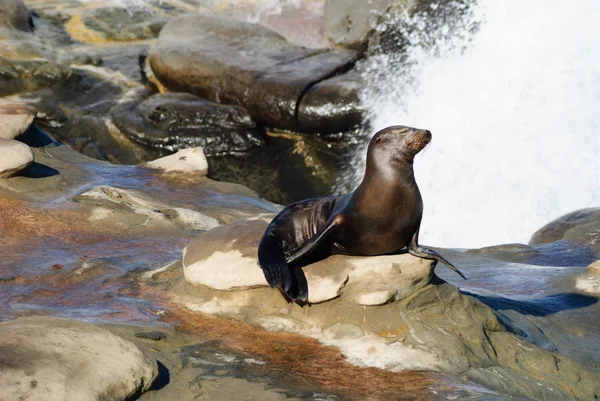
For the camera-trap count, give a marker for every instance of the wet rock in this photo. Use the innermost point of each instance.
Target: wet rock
(142, 204)
(580, 227)
(14, 157)
(226, 258)
(178, 120)
(185, 160)
(121, 24)
(332, 105)
(15, 15)
(15, 118)
(350, 24)
(517, 253)
(46, 358)
(234, 62)
(389, 312)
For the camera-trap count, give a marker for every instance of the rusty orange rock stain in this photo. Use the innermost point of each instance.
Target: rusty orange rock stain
(302, 356)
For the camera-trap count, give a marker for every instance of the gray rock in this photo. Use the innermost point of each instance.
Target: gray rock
(581, 227)
(142, 204)
(121, 24)
(178, 120)
(234, 62)
(15, 15)
(46, 358)
(226, 258)
(349, 23)
(332, 105)
(14, 157)
(15, 118)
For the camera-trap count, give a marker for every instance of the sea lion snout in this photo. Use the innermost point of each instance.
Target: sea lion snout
(417, 140)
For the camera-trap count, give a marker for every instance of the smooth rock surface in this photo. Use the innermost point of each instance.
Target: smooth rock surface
(143, 204)
(581, 227)
(350, 23)
(332, 105)
(122, 24)
(234, 62)
(226, 259)
(178, 120)
(15, 15)
(594, 268)
(45, 358)
(185, 160)
(15, 118)
(14, 157)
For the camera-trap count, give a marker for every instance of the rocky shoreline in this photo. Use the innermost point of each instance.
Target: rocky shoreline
(128, 272)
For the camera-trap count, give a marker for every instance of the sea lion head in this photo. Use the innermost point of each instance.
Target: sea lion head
(397, 145)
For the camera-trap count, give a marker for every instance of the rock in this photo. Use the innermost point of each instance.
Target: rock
(238, 63)
(142, 204)
(332, 105)
(14, 14)
(594, 268)
(226, 259)
(15, 118)
(517, 253)
(14, 157)
(47, 358)
(178, 120)
(581, 227)
(185, 160)
(122, 24)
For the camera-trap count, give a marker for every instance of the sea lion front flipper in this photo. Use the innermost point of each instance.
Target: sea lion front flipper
(316, 240)
(426, 253)
(272, 261)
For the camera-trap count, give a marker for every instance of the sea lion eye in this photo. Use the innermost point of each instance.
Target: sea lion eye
(378, 140)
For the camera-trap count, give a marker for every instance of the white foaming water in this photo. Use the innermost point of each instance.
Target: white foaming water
(515, 117)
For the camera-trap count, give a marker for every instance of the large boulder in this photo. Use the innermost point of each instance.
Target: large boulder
(45, 358)
(226, 259)
(389, 312)
(15, 118)
(238, 63)
(14, 157)
(581, 227)
(179, 120)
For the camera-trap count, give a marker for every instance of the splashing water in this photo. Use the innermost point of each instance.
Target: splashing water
(511, 93)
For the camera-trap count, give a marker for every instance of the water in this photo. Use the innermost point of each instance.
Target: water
(511, 93)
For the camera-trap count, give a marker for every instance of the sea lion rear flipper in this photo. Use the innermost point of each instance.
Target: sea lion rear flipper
(271, 260)
(426, 253)
(316, 240)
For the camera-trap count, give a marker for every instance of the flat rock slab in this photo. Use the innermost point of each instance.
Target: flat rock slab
(226, 258)
(14, 157)
(178, 120)
(45, 358)
(15, 118)
(234, 62)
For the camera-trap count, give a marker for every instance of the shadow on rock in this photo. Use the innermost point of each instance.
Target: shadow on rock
(543, 306)
(38, 170)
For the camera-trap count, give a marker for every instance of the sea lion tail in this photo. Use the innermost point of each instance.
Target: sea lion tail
(278, 273)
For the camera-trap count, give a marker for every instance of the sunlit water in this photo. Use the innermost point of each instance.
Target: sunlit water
(514, 109)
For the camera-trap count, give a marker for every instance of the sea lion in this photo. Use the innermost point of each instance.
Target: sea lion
(381, 216)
